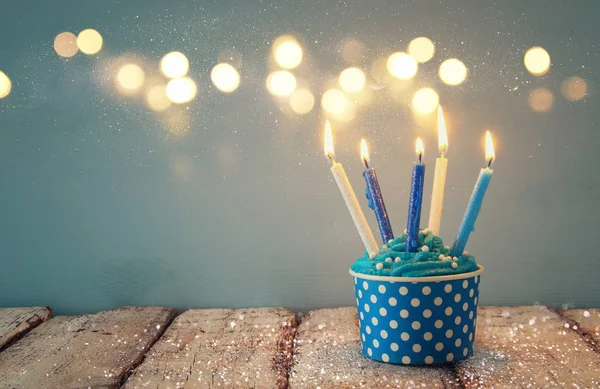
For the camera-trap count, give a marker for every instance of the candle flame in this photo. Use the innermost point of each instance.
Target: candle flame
(490, 155)
(328, 141)
(364, 153)
(442, 132)
(420, 149)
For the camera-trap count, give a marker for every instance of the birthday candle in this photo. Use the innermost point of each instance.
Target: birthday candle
(349, 197)
(416, 199)
(468, 223)
(374, 196)
(439, 177)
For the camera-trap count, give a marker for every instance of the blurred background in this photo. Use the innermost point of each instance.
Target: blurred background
(171, 153)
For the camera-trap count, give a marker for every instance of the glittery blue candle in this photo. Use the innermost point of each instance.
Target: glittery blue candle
(474, 206)
(416, 199)
(375, 197)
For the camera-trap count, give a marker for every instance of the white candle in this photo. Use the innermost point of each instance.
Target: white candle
(349, 197)
(439, 177)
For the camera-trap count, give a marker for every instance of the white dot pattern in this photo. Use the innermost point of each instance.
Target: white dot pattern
(434, 321)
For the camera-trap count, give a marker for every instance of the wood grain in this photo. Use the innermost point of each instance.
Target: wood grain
(587, 323)
(209, 348)
(16, 322)
(528, 347)
(91, 351)
(327, 354)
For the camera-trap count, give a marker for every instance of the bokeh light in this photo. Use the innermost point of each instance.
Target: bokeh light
(425, 101)
(65, 44)
(574, 88)
(402, 65)
(174, 64)
(89, 41)
(5, 85)
(225, 77)
(335, 102)
(421, 49)
(302, 101)
(541, 100)
(130, 78)
(453, 72)
(281, 83)
(287, 52)
(181, 90)
(157, 98)
(537, 61)
(352, 51)
(352, 80)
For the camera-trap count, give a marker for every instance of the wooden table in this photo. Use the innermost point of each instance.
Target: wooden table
(136, 347)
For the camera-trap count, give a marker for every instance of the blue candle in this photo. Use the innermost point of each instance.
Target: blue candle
(375, 197)
(474, 206)
(416, 199)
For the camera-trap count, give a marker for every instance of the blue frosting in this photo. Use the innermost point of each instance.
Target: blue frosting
(432, 260)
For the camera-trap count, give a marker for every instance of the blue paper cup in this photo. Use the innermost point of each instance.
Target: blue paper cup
(417, 320)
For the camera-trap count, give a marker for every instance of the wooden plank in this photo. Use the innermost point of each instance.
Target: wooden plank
(16, 322)
(72, 352)
(208, 348)
(587, 323)
(327, 354)
(528, 347)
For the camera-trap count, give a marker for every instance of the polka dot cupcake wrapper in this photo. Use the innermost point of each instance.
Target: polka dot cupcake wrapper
(417, 322)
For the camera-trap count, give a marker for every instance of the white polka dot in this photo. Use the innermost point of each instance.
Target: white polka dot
(457, 297)
(471, 315)
(429, 360)
(355, 281)
(416, 325)
(475, 301)
(367, 308)
(465, 307)
(381, 289)
(405, 336)
(382, 311)
(439, 324)
(403, 290)
(394, 346)
(357, 303)
(406, 360)
(426, 290)
(373, 298)
(438, 301)
(404, 313)
(448, 288)
(439, 346)
(375, 343)
(415, 302)
(457, 320)
(374, 321)
(471, 337)
(450, 357)
(368, 329)
(448, 311)
(465, 284)
(417, 348)
(385, 357)
(365, 285)
(465, 351)
(392, 301)
(383, 334)
(465, 329)
(360, 293)
(476, 279)
(362, 316)
(363, 337)
(427, 336)
(471, 292)
(370, 352)
(393, 324)
(458, 342)
(427, 313)
(449, 334)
